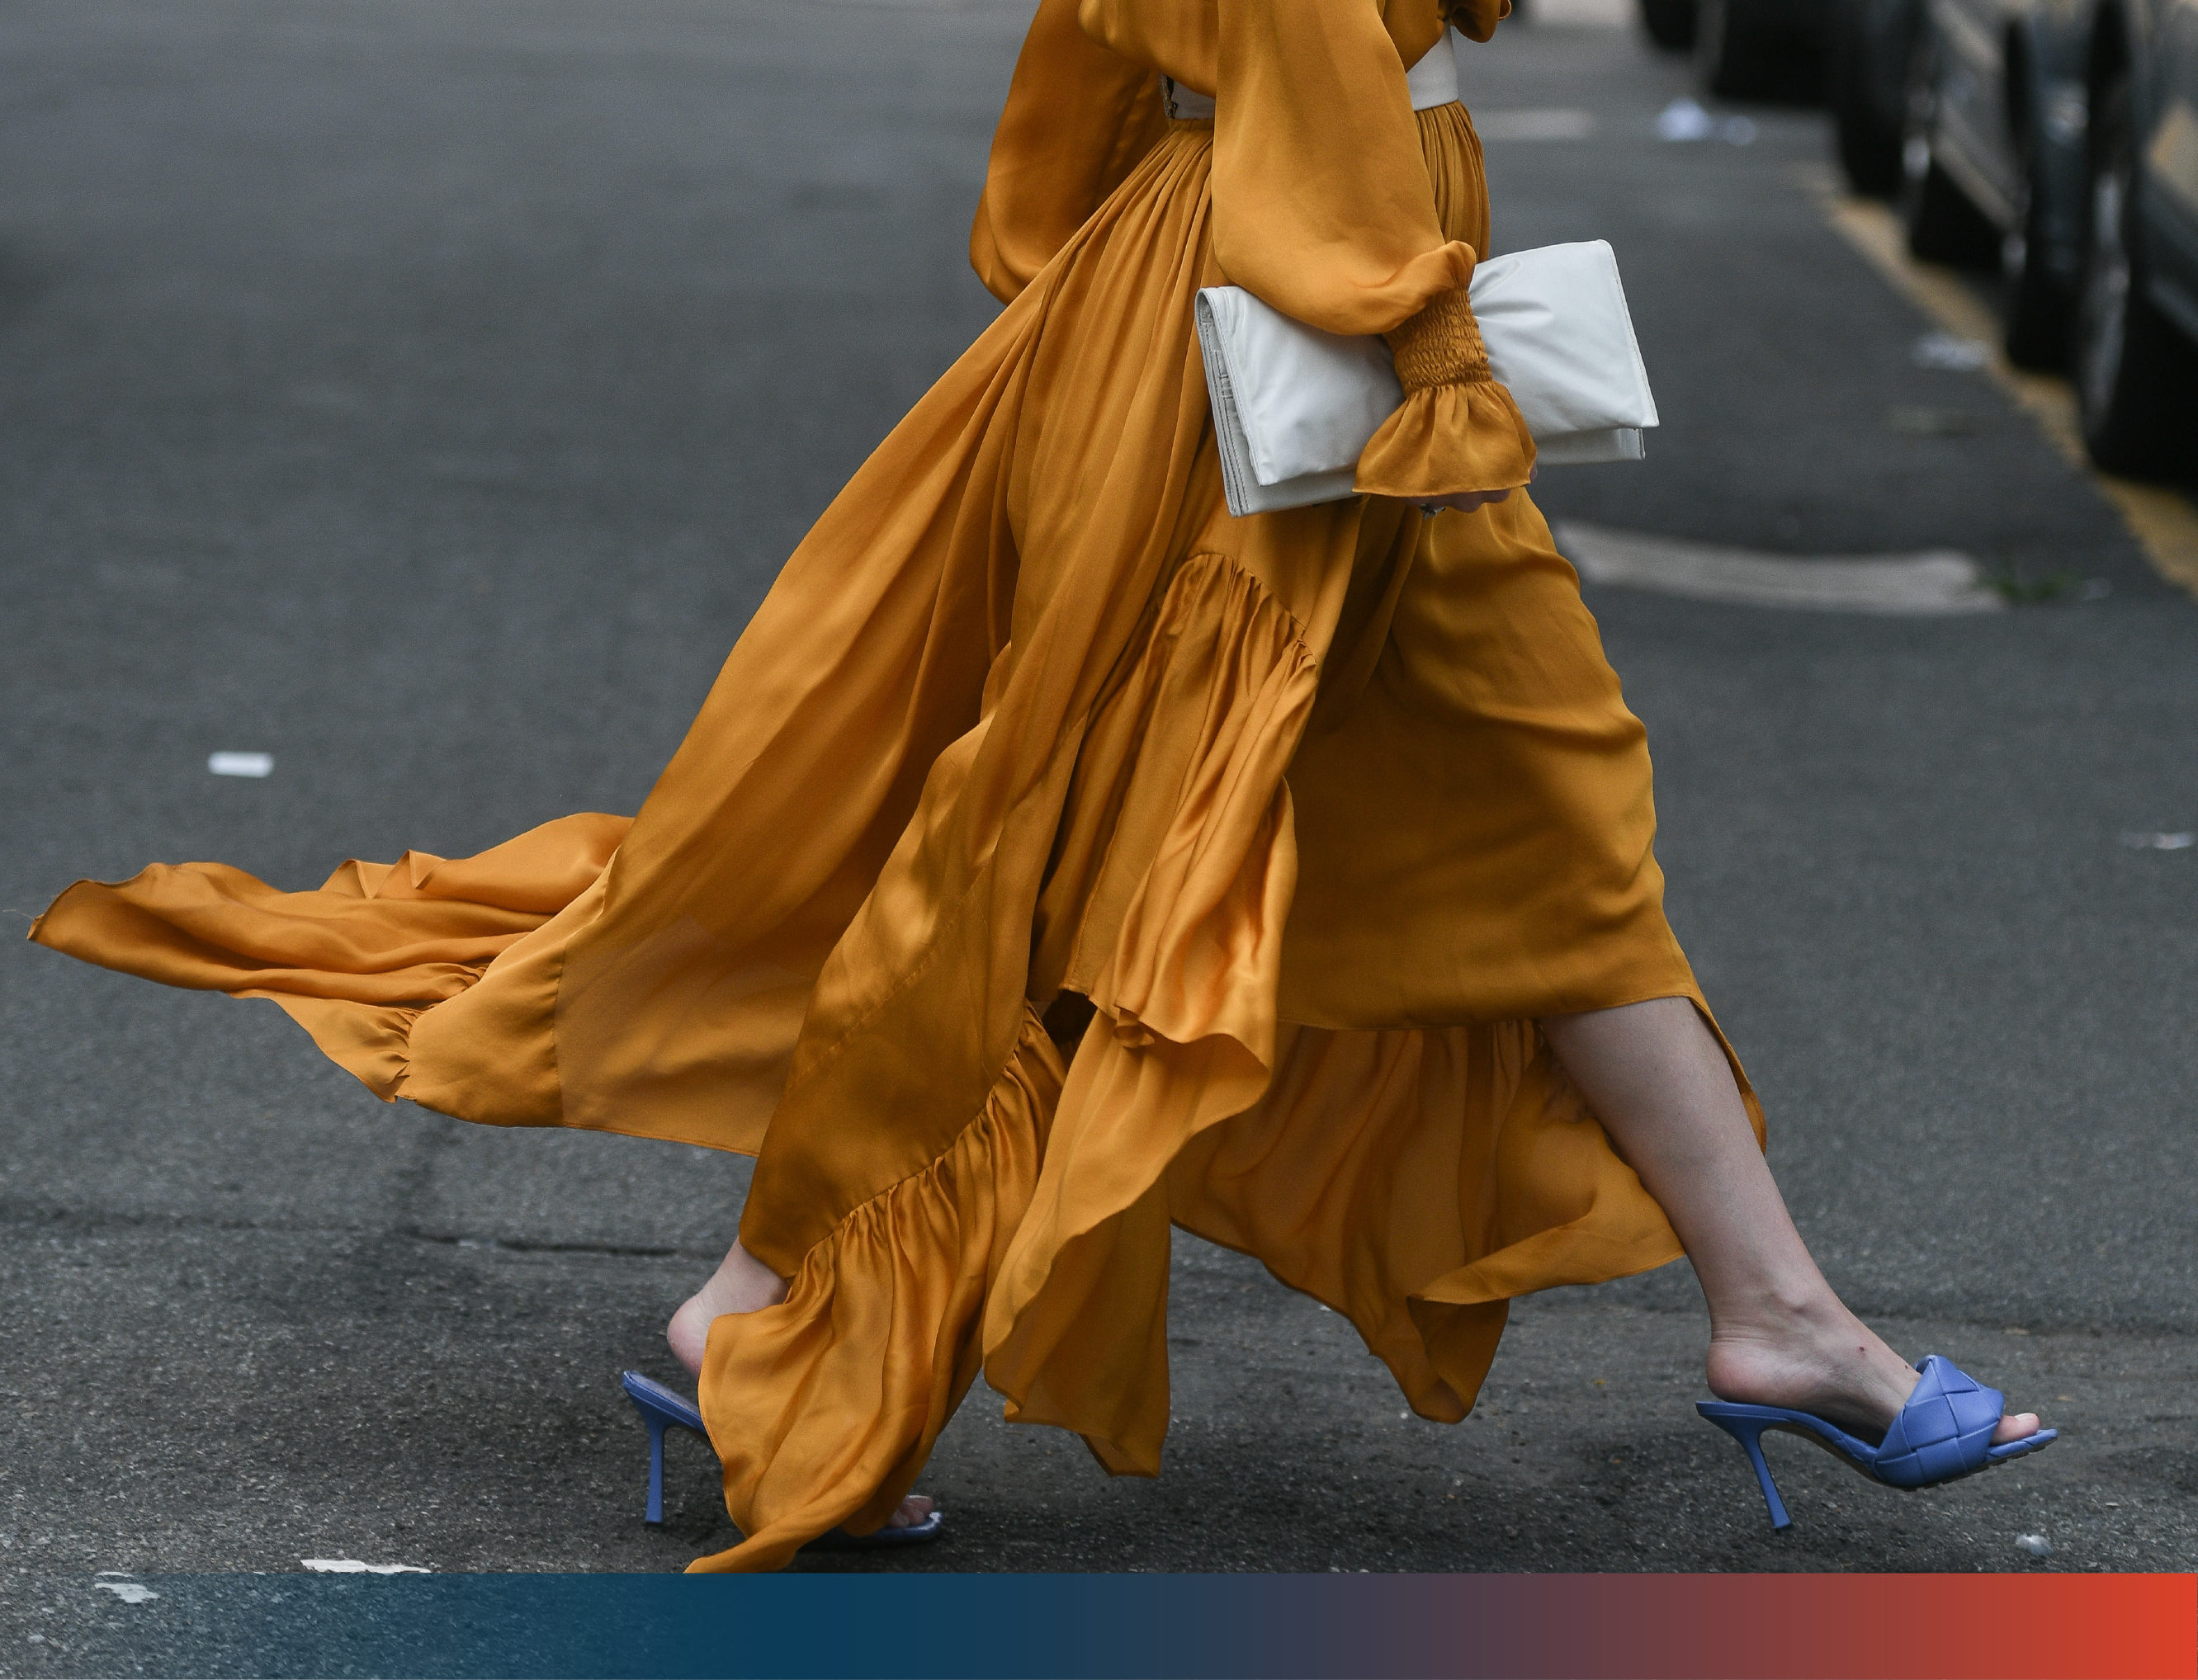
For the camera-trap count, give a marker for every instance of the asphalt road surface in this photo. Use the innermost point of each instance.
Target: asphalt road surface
(425, 395)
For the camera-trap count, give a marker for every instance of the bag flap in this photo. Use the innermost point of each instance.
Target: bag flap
(1555, 321)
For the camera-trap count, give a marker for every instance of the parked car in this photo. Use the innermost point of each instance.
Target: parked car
(2061, 138)
(1744, 49)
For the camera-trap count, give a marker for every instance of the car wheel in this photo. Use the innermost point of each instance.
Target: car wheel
(1670, 23)
(1943, 225)
(2038, 304)
(1729, 57)
(2136, 378)
(1869, 147)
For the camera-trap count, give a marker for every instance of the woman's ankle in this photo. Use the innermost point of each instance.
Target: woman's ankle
(1778, 1312)
(1817, 1359)
(742, 1283)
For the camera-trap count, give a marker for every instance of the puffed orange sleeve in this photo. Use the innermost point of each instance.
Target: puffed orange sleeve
(1078, 118)
(1321, 207)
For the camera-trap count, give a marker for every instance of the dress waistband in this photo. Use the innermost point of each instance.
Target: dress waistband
(1433, 81)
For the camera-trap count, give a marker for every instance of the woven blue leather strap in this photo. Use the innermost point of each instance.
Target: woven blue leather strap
(1943, 1431)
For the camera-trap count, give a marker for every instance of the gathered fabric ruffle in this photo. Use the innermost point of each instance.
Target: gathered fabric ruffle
(1415, 1182)
(1149, 908)
(1449, 440)
(823, 1409)
(1183, 980)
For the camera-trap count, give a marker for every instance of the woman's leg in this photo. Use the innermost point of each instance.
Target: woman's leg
(742, 1283)
(1661, 1085)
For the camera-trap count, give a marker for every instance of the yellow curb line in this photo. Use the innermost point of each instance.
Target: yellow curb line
(2164, 523)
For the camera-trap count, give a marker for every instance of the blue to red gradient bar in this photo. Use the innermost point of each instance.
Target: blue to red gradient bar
(1273, 1627)
(1933, 1627)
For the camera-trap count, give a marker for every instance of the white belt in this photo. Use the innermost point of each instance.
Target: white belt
(1432, 81)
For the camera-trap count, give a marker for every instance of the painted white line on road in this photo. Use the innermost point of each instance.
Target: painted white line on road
(1551, 124)
(241, 763)
(352, 1566)
(2164, 523)
(1937, 581)
(1578, 14)
(128, 1591)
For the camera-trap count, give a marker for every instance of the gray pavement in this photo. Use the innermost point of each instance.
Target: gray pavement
(425, 395)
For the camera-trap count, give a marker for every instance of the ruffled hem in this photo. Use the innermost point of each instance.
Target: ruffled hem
(1449, 440)
(1183, 980)
(359, 963)
(824, 1408)
(1167, 896)
(1414, 1181)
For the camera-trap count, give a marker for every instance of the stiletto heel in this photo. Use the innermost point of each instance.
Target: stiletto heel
(1944, 1432)
(655, 1513)
(1748, 1432)
(662, 1409)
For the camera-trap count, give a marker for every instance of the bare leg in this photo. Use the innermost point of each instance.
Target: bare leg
(744, 1284)
(1657, 1081)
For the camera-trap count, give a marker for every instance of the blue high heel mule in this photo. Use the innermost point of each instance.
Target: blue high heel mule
(1944, 1432)
(661, 1409)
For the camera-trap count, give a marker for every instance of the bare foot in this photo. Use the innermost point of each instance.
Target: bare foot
(1820, 1358)
(744, 1284)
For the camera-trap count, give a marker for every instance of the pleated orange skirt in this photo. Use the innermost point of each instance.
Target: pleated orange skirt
(1054, 860)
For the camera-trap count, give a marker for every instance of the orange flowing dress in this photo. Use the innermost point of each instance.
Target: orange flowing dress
(1057, 858)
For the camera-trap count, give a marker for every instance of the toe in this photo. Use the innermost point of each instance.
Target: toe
(2016, 1426)
(911, 1511)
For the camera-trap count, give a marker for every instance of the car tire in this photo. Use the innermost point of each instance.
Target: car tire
(2136, 377)
(1943, 225)
(1730, 58)
(1869, 148)
(1670, 23)
(2039, 306)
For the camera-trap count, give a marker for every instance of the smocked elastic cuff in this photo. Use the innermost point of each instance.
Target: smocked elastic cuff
(1440, 345)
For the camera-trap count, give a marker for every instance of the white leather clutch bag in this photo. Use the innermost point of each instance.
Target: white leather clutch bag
(1293, 407)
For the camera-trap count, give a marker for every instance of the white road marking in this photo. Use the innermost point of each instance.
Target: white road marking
(1557, 124)
(241, 763)
(352, 1566)
(1580, 14)
(2176, 842)
(1938, 581)
(128, 1591)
